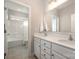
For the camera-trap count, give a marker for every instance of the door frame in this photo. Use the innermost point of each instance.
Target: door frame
(29, 24)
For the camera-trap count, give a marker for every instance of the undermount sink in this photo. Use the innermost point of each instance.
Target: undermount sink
(67, 41)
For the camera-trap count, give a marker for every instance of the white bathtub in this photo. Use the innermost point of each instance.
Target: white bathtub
(14, 41)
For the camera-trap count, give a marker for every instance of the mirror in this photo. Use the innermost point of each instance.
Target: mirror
(62, 18)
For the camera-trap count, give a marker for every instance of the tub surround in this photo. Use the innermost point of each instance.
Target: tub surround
(57, 38)
(17, 43)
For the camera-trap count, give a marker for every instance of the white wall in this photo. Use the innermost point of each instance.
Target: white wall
(73, 23)
(65, 18)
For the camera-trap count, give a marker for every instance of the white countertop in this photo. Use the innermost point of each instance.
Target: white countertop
(57, 39)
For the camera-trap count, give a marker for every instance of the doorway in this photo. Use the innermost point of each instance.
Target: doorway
(16, 27)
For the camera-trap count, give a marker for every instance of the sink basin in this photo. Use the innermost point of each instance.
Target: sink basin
(67, 41)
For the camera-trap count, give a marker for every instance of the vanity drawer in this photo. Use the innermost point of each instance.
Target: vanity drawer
(63, 50)
(46, 43)
(45, 49)
(37, 40)
(48, 56)
(45, 55)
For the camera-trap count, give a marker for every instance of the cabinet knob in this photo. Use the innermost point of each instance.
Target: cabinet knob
(52, 54)
(44, 49)
(44, 54)
(44, 43)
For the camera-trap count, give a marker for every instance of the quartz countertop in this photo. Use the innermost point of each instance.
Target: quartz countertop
(57, 38)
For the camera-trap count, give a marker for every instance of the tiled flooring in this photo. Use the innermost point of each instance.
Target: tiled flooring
(19, 52)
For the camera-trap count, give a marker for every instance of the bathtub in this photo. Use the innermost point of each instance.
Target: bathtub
(14, 41)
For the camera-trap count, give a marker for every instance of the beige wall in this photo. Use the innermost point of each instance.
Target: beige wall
(48, 19)
(65, 18)
(73, 23)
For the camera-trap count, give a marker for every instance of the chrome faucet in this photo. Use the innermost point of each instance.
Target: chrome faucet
(45, 32)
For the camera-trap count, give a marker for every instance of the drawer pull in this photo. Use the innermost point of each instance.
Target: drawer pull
(52, 54)
(39, 45)
(44, 43)
(44, 49)
(44, 54)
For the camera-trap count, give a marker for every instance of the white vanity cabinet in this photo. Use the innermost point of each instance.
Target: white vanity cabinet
(37, 47)
(45, 55)
(61, 52)
(44, 49)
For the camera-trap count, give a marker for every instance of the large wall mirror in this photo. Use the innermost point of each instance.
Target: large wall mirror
(62, 18)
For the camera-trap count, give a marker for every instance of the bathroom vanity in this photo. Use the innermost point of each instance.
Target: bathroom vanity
(53, 47)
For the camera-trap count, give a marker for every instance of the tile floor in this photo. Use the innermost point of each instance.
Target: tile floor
(19, 52)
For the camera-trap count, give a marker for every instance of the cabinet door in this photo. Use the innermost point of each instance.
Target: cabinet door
(43, 57)
(37, 49)
(38, 52)
(48, 56)
(57, 56)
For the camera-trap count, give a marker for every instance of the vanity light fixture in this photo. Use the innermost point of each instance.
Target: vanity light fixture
(52, 1)
(55, 4)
